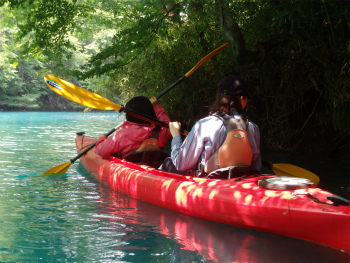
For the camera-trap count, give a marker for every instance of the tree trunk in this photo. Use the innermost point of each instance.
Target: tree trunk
(231, 30)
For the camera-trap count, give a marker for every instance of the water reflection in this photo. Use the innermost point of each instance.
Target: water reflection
(182, 235)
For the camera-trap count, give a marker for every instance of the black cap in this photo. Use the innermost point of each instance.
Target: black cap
(233, 85)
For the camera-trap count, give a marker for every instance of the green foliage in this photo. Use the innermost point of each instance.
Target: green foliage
(303, 82)
(295, 55)
(20, 88)
(48, 22)
(136, 31)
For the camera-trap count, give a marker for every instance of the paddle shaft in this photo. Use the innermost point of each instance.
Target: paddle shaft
(200, 63)
(147, 118)
(94, 144)
(170, 87)
(144, 117)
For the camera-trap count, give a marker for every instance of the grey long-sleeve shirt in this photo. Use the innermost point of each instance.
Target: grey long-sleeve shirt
(206, 136)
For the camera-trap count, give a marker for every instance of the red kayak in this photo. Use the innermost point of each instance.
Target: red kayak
(303, 211)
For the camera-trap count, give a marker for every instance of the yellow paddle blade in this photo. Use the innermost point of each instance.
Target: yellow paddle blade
(79, 95)
(207, 57)
(59, 169)
(286, 169)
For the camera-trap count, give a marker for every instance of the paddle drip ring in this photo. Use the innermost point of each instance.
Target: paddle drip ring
(285, 183)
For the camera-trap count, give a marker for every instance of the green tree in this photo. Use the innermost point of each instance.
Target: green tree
(294, 53)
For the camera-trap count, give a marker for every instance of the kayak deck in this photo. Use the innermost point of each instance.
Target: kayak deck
(238, 201)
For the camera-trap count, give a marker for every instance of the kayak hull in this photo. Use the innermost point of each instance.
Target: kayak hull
(239, 202)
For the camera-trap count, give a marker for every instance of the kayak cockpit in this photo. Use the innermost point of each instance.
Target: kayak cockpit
(152, 159)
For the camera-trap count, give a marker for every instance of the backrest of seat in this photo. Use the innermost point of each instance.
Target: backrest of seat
(236, 150)
(150, 144)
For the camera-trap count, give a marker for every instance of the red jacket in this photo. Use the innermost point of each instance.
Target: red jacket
(127, 139)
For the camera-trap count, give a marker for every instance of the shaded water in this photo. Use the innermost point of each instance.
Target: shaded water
(73, 218)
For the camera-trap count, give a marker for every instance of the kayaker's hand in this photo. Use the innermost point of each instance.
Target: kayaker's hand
(175, 128)
(154, 101)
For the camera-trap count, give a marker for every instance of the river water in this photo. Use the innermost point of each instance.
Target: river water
(73, 218)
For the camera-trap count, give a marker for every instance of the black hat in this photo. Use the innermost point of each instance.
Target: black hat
(233, 85)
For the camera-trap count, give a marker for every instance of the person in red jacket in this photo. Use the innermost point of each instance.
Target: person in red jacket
(134, 131)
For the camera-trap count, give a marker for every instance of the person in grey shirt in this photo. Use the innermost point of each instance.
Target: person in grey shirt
(209, 133)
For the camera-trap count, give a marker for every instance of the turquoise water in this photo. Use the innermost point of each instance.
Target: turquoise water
(73, 218)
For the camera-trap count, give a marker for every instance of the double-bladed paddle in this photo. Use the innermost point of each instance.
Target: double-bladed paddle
(90, 99)
(281, 169)
(93, 100)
